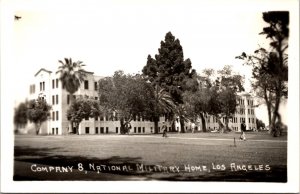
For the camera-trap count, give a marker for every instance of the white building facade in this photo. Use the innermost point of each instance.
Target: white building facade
(47, 84)
(245, 112)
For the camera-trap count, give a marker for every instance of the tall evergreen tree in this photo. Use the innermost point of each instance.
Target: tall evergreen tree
(168, 69)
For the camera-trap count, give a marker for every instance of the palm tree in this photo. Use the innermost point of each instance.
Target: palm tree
(163, 104)
(71, 76)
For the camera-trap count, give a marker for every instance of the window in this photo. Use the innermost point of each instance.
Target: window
(53, 116)
(86, 84)
(56, 83)
(56, 131)
(117, 129)
(96, 130)
(249, 120)
(143, 129)
(53, 131)
(68, 99)
(96, 86)
(57, 115)
(87, 130)
(53, 100)
(106, 129)
(101, 118)
(53, 83)
(139, 129)
(151, 129)
(134, 129)
(96, 118)
(43, 86)
(106, 117)
(101, 129)
(56, 99)
(249, 111)
(169, 128)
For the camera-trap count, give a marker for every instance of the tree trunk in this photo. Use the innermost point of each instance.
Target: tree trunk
(37, 128)
(203, 122)
(226, 124)
(76, 128)
(173, 126)
(221, 126)
(156, 125)
(269, 106)
(72, 124)
(274, 128)
(122, 125)
(181, 120)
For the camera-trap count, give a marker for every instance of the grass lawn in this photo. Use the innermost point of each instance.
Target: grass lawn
(180, 157)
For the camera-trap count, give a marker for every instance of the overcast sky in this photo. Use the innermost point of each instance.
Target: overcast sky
(118, 35)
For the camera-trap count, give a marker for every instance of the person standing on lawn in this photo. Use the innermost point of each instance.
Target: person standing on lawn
(164, 129)
(243, 129)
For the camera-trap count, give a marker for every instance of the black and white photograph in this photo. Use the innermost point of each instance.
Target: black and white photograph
(150, 96)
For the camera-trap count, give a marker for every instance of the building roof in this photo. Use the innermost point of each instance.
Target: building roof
(244, 94)
(88, 72)
(42, 69)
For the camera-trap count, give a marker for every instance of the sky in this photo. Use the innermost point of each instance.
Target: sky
(119, 35)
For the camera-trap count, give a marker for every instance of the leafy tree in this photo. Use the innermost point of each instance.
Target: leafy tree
(20, 116)
(214, 96)
(270, 68)
(82, 108)
(169, 69)
(228, 85)
(38, 112)
(128, 96)
(71, 76)
(260, 124)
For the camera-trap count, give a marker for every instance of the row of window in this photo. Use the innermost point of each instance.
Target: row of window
(86, 85)
(55, 83)
(242, 102)
(251, 119)
(54, 99)
(55, 115)
(55, 131)
(42, 86)
(242, 111)
(97, 131)
(32, 89)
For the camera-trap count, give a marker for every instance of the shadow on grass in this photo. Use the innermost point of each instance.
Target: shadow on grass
(118, 168)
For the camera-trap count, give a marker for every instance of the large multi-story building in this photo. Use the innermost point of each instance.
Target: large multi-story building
(48, 85)
(245, 112)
